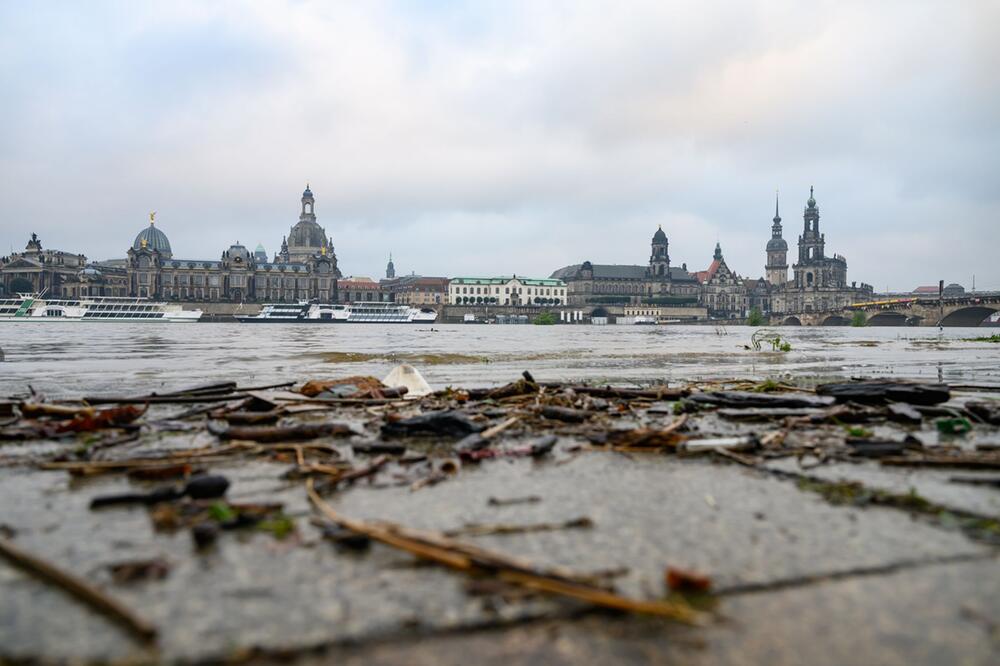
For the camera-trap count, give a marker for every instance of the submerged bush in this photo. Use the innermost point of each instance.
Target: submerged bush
(770, 337)
(756, 317)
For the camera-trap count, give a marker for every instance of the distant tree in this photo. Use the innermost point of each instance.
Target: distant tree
(545, 319)
(859, 319)
(756, 317)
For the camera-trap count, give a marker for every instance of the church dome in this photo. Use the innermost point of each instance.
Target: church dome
(238, 252)
(777, 244)
(659, 236)
(811, 203)
(152, 239)
(307, 234)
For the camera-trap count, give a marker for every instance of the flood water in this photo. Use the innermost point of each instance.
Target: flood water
(60, 358)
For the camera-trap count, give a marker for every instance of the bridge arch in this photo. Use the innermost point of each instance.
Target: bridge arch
(971, 316)
(835, 320)
(599, 312)
(792, 321)
(887, 319)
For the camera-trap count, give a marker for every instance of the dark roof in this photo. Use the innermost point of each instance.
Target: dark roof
(620, 272)
(681, 275)
(605, 271)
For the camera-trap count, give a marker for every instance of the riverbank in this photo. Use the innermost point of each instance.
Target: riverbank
(731, 521)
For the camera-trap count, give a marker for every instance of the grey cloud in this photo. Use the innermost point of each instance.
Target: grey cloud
(509, 137)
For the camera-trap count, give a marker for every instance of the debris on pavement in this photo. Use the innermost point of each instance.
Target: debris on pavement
(174, 457)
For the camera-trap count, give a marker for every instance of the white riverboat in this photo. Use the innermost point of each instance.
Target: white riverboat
(31, 307)
(361, 312)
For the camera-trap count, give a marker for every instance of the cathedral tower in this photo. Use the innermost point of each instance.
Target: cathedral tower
(390, 269)
(811, 241)
(776, 268)
(659, 259)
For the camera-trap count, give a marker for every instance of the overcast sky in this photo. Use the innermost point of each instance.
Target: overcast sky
(509, 137)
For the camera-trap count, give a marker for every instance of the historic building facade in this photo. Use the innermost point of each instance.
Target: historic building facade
(417, 289)
(723, 292)
(352, 289)
(36, 270)
(304, 268)
(514, 291)
(819, 282)
(616, 284)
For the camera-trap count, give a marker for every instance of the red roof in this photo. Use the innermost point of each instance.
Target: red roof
(705, 276)
(929, 289)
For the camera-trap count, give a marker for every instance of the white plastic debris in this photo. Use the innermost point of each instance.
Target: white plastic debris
(408, 376)
(745, 443)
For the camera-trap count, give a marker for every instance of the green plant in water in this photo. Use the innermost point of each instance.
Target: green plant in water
(995, 338)
(767, 386)
(858, 319)
(279, 526)
(858, 431)
(770, 337)
(956, 426)
(545, 319)
(222, 512)
(756, 317)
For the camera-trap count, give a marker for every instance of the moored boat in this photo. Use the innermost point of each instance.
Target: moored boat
(31, 307)
(360, 312)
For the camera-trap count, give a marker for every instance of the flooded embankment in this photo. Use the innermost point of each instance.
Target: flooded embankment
(61, 358)
(717, 504)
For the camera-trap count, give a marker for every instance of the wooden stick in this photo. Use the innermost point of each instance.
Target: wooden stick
(490, 433)
(469, 558)
(162, 399)
(79, 588)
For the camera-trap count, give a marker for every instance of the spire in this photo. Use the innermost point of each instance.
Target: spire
(812, 199)
(777, 217)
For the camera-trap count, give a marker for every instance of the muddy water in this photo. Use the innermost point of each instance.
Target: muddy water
(60, 358)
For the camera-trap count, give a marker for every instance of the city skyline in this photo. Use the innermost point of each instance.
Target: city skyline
(264, 251)
(508, 136)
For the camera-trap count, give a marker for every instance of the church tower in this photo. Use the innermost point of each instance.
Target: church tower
(776, 268)
(659, 259)
(390, 269)
(308, 214)
(811, 241)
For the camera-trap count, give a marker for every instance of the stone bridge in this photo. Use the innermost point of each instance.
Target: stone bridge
(961, 311)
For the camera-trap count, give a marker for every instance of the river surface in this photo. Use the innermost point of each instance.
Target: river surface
(60, 358)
